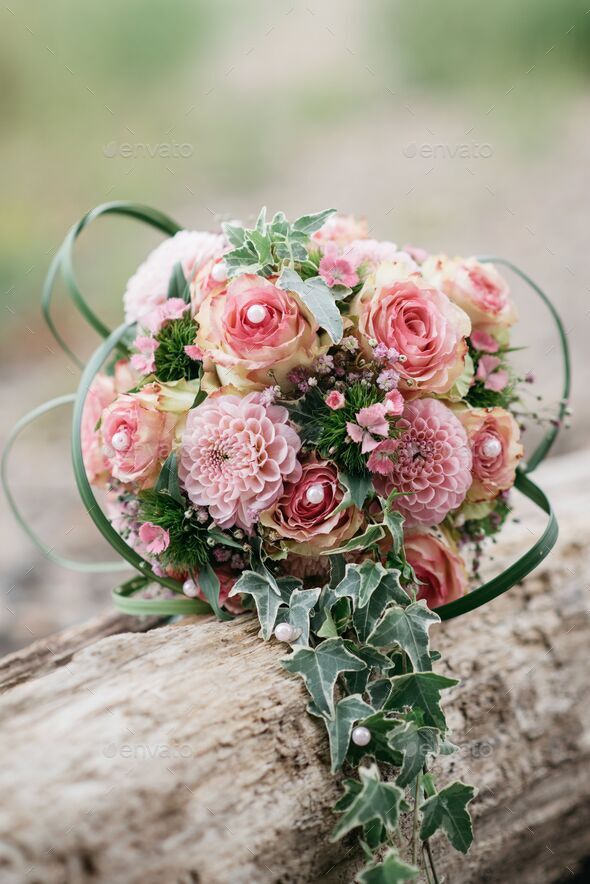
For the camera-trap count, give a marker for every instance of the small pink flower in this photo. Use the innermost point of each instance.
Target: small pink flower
(144, 361)
(193, 351)
(155, 539)
(370, 421)
(335, 400)
(487, 371)
(380, 461)
(417, 253)
(394, 402)
(484, 342)
(173, 308)
(336, 270)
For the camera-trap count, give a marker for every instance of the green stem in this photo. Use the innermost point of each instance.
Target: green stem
(428, 849)
(426, 865)
(416, 820)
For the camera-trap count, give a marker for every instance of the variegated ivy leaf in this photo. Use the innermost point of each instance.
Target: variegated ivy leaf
(308, 224)
(416, 743)
(375, 802)
(421, 690)
(325, 623)
(381, 725)
(378, 692)
(356, 682)
(360, 582)
(266, 597)
(320, 667)
(318, 298)
(392, 870)
(394, 522)
(346, 714)
(234, 233)
(448, 810)
(301, 604)
(357, 487)
(407, 627)
(371, 587)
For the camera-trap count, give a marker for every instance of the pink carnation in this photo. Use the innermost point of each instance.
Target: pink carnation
(335, 400)
(489, 372)
(430, 463)
(370, 422)
(148, 287)
(144, 362)
(484, 342)
(336, 270)
(236, 455)
(155, 538)
(172, 308)
(395, 403)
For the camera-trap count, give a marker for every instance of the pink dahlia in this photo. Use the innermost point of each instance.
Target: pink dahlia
(148, 287)
(236, 455)
(430, 463)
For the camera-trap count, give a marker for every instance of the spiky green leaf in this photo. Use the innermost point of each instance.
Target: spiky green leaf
(407, 627)
(416, 743)
(392, 870)
(167, 482)
(317, 297)
(178, 286)
(422, 690)
(266, 595)
(347, 713)
(376, 802)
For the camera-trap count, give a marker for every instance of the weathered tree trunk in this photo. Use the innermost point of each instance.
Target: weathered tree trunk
(184, 754)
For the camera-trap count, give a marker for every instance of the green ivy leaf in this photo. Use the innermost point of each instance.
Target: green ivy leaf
(243, 259)
(266, 598)
(346, 713)
(378, 692)
(178, 286)
(381, 727)
(360, 582)
(167, 482)
(358, 487)
(262, 244)
(317, 297)
(301, 604)
(407, 627)
(308, 224)
(371, 535)
(394, 521)
(422, 690)
(392, 870)
(234, 233)
(376, 802)
(320, 667)
(356, 682)
(448, 810)
(416, 743)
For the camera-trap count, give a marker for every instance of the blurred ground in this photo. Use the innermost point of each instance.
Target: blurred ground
(457, 127)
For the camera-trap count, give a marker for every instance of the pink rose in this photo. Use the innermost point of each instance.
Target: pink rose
(212, 277)
(494, 437)
(255, 333)
(137, 440)
(335, 400)
(304, 514)
(421, 323)
(477, 288)
(439, 568)
(100, 394)
(154, 538)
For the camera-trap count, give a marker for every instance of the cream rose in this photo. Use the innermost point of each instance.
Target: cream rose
(418, 321)
(494, 437)
(254, 333)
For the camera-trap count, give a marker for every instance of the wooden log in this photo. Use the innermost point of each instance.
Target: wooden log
(184, 754)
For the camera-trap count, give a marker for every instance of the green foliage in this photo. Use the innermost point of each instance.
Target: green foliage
(392, 870)
(301, 604)
(375, 802)
(447, 810)
(479, 397)
(346, 713)
(188, 547)
(408, 629)
(178, 287)
(416, 743)
(318, 298)
(266, 595)
(421, 690)
(172, 363)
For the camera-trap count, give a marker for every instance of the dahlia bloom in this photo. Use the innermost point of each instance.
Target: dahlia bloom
(137, 440)
(255, 333)
(148, 287)
(494, 437)
(438, 567)
(421, 323)
(430, 463)
(304, 513)
(100, 394)
(235, 457)
(479, 289)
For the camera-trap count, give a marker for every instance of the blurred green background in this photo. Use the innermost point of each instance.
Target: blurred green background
(457, 126)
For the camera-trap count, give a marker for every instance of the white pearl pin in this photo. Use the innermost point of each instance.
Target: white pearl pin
(189, 588)
(315, 493)
(256, 313)
(284, 632)
(361, 736)
(120, 440)
(492, 447)
(219, 272)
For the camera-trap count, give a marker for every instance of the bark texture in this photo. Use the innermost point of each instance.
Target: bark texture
(184, 754)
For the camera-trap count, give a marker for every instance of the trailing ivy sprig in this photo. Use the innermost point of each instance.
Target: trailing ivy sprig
(362, 647)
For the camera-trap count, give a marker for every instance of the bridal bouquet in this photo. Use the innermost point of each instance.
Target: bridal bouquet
(301, 420)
